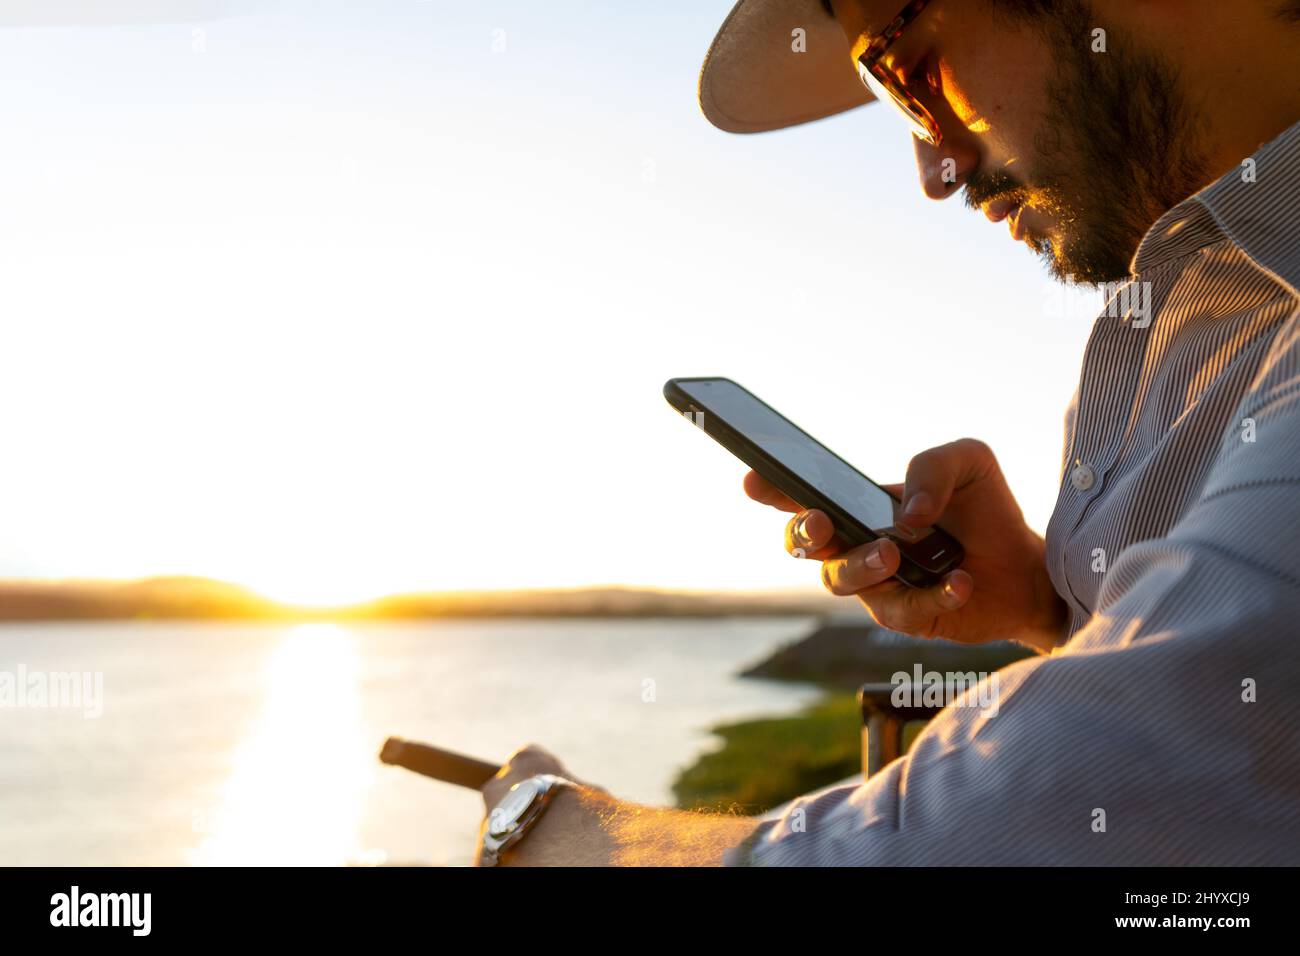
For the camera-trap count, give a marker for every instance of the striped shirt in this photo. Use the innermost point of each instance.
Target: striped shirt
(1165, 729)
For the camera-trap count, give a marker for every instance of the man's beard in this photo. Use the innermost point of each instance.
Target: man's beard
(1116, 150)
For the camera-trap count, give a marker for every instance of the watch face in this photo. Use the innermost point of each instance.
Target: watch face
(507, 813)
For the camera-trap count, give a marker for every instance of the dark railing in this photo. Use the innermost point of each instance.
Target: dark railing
(884, 721)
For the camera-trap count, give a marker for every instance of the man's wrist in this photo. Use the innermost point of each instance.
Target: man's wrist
(1045, 640)
(568, 833)
(586, 827)
(1048, 632)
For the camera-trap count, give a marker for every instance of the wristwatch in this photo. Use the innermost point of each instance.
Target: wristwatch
(517, 813)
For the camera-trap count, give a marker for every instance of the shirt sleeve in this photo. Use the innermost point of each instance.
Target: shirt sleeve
(1166, 732)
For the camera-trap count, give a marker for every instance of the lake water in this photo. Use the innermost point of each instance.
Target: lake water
(225, 743)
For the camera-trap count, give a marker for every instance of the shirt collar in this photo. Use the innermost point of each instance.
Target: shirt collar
(1255, 205)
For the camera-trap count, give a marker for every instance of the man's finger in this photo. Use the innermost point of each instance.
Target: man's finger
(917, 611)
(764, 492)
(810, 534)
(862, 567)
(934, 475)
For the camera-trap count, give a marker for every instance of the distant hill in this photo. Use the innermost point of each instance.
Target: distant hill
(850, 651)
(175, 598)
(164, 597)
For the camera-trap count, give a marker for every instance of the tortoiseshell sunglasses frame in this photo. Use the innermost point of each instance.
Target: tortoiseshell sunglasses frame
(924, 125)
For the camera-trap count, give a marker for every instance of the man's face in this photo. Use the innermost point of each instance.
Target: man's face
(1079, 150)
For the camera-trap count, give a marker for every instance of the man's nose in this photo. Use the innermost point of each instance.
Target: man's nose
(944, 168)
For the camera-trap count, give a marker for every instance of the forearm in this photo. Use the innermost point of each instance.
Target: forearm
(587, 828)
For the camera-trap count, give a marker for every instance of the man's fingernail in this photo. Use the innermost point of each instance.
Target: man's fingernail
(919, 504)
(874, 559)
(801, 529)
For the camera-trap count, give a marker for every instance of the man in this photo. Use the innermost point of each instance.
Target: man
(1154, 145)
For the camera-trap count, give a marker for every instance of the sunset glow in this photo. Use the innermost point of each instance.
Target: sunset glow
(407, 333)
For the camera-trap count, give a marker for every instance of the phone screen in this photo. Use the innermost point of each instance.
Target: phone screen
(814, 463)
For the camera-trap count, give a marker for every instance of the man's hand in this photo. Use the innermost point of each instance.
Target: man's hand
(1001, 590)
(525, 762)
(587, 827)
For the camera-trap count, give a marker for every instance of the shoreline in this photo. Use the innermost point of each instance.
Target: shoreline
(766, 761)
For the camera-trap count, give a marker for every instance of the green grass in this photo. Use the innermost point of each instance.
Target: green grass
(763, 763)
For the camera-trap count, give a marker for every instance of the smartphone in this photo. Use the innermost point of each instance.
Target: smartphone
(813, 475)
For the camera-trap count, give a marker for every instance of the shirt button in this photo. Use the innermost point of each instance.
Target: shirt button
(1082, 477)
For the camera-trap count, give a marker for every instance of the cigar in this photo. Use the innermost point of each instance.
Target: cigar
(438, 764)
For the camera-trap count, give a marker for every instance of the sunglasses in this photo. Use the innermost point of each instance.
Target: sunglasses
(886, 86)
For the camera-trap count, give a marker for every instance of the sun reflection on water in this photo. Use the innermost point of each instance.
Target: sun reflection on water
(298, 781)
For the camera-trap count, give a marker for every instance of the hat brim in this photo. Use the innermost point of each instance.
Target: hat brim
(757, 76)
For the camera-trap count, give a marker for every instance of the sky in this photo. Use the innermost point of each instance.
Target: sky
(336, 300)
